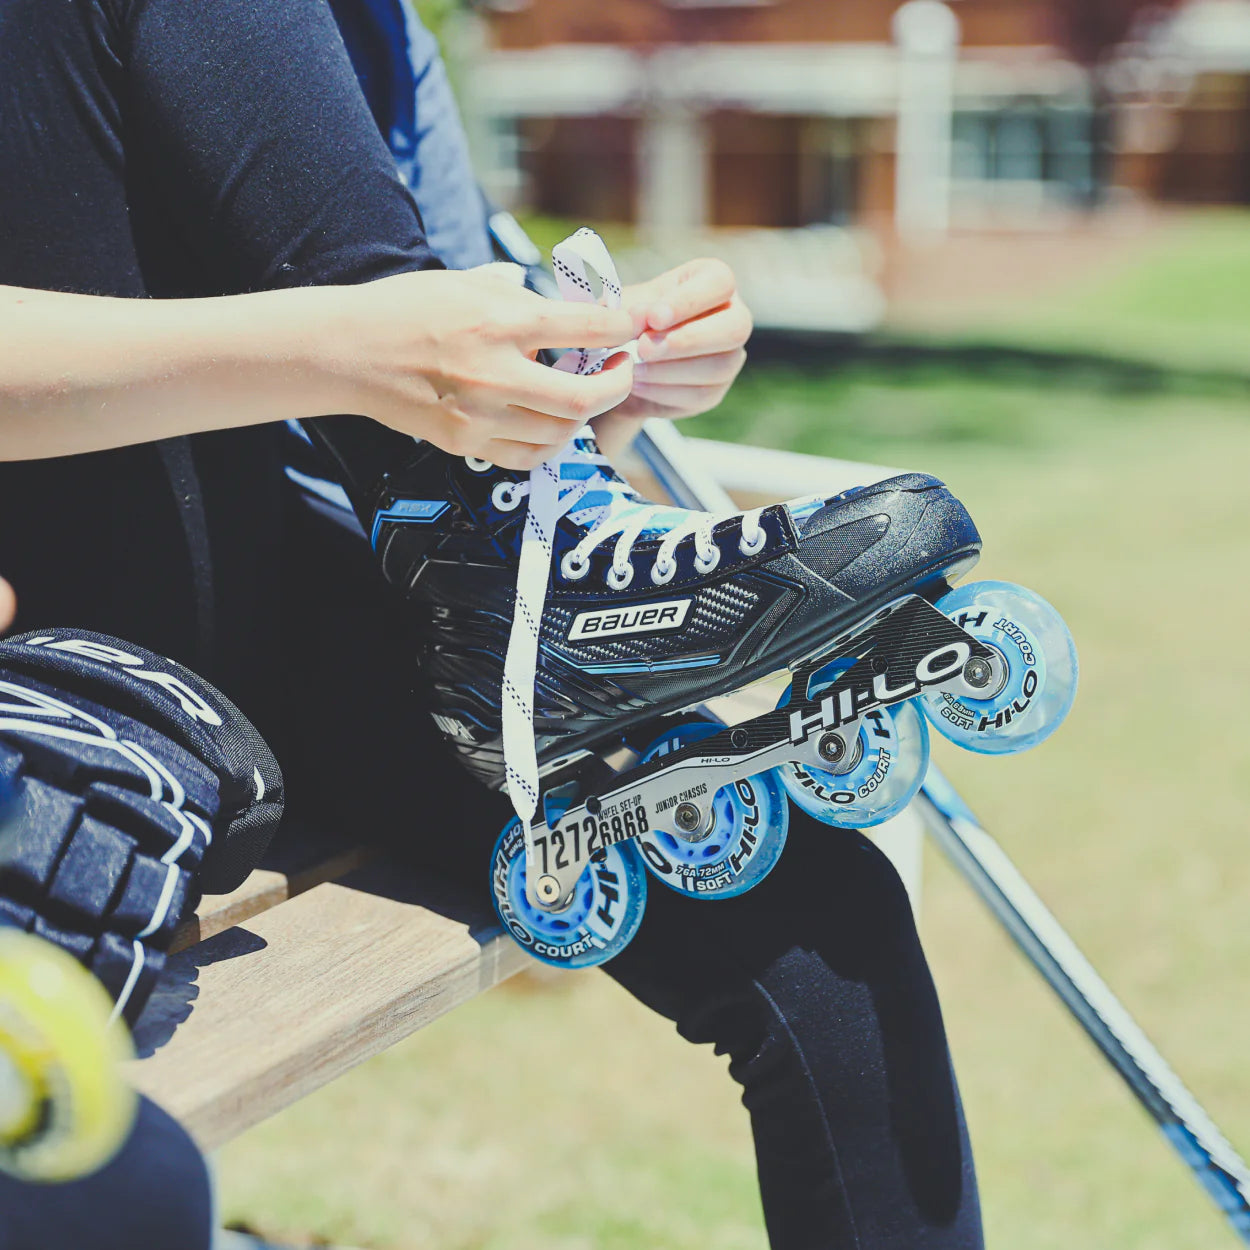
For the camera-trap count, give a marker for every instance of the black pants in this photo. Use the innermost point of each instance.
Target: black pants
(161, 147)
(814, 983)
(155, 1195)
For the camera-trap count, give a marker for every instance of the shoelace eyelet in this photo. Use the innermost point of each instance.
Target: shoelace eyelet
(704, 567)
(753, 549)
(571, 570)
(618, 580)
(478, 465)
(505, 496)
(661, 575)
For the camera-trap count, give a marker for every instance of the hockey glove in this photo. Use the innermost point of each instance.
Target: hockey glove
(133, 786)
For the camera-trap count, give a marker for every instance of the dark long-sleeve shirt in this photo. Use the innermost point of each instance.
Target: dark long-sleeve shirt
(157, 148)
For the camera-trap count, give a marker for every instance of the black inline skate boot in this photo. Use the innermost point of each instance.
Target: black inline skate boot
(570, 630)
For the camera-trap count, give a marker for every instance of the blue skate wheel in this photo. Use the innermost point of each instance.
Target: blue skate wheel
(749, 823)
(598, 923)
(1036, 676)
(893, 755)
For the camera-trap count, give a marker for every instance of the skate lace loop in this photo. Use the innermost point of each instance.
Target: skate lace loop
(608, 508)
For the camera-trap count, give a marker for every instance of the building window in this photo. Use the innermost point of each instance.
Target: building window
(582, 168)
(1027, 149)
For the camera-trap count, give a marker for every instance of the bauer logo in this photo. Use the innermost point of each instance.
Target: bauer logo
(614, 622)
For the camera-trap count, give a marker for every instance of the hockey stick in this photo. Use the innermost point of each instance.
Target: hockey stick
(1039, 935)
(1015, 905)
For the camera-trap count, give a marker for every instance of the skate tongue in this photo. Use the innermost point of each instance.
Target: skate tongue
(610, 496)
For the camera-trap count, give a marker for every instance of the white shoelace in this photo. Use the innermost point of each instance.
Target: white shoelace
(579, 483)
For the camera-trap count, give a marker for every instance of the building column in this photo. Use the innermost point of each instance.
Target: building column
(673, 171)
(927, 35)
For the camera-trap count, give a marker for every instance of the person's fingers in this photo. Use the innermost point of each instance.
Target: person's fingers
(615, 430)
(720, 368)
(516, 455)
(721, 330)
(568, 395)
(637, 408)
(555, 323)
(688, 291)
(525, 425)
(684, 399)
(8, 605)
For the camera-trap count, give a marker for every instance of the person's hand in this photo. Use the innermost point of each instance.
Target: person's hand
(449, 357)
(694, 329)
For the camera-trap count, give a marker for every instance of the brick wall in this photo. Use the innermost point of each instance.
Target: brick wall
(642, 23)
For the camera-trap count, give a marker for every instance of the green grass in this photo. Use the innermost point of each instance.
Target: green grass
(567, 1117)
(1183, 300)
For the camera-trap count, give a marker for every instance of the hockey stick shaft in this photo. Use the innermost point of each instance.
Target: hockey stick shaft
(1017, 907)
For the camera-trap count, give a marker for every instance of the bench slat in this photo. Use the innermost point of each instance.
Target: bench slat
(282, 878)
(308, 989)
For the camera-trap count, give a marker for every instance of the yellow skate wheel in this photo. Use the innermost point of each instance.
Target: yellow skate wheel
(64, 1108)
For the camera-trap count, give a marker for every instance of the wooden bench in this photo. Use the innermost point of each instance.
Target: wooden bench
(324, 957)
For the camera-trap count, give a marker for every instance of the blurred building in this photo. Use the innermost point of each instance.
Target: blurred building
(676, 115)
(1182, 93)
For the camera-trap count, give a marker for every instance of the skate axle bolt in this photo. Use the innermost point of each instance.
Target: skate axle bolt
(978, 672)
(547, 889)
(688, 818)
(831, 747)
(986, 674)
(738, 739)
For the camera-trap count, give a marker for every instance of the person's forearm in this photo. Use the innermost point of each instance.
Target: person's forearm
(80, 373)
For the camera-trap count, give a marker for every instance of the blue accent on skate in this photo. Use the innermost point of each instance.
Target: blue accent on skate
(654, 666)
(801, 509)
(663, 522)
(295, 428)
(554, 807)
(331, 492)
(408, 511)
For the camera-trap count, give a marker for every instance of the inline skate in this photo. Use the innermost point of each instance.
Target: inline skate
(573, 633)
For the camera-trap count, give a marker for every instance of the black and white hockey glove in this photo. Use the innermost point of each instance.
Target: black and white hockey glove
(132, 787)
